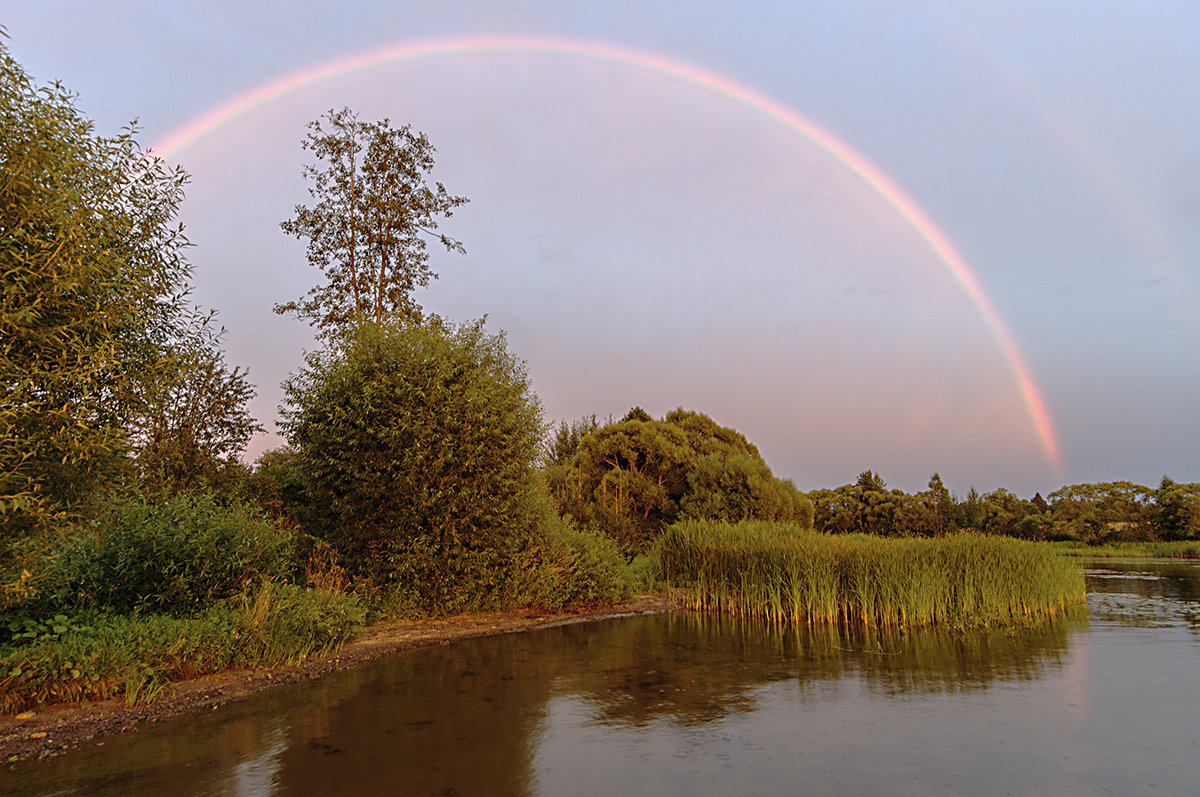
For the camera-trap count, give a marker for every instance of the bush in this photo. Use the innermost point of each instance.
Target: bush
(177, 557)
(418, 445)
(94, 279)
(94, 655)
(569, 566)
(631, 479)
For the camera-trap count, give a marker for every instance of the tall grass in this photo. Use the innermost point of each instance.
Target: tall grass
(1179, 549)
(781, 573)
(98, 654)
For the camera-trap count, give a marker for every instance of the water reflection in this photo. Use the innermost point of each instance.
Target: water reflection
(1145, 594)
(696, 669)
(681, 698)
(465, 718)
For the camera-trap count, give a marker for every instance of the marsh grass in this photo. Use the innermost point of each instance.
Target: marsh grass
(1179, 549)
(781, 573)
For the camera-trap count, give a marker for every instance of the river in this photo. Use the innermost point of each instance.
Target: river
(1103, 702)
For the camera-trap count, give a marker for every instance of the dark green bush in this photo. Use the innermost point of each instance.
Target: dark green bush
(417, 444)
(177, 557)
(632, 478)
(571, 566)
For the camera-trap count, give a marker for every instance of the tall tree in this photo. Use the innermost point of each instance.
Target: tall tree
(93, 283)
(367, 230)
(1177, 511)
(940, 505)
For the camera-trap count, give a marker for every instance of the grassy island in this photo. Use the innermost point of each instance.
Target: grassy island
(781, 573)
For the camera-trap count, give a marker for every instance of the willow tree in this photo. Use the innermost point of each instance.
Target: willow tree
(92, 288)
(632, 478)
(374, 212)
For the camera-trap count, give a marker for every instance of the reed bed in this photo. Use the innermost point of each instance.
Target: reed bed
(781, 573)
(1178, 549)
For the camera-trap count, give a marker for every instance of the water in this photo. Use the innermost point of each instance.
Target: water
(1104, 703)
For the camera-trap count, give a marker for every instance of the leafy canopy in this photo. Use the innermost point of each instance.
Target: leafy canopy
(367, 228)
(93, 287)
(420, 441)
(631, 478)
(195, 423)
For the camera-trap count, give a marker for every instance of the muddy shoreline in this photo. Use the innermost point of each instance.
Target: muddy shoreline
(53, 730)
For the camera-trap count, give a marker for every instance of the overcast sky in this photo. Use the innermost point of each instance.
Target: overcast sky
(649, 229)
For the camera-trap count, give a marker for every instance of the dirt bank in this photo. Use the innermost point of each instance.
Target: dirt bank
(53, 730)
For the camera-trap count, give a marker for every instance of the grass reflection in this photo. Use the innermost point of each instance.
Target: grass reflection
(697, 668)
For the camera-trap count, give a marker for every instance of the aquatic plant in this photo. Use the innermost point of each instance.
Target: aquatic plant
(780, 572)
(1179, 549)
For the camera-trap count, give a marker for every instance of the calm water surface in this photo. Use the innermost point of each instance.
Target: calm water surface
(1104, 703)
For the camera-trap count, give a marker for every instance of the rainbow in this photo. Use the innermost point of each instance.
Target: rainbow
(877, 181)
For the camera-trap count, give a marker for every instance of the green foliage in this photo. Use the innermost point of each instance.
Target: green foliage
(95, 655)
(645, 572)
(631, 478)
(1177, 549)
(277, 486)
(865, 507)
(278, 622)
(632, 475)
(92, 285)
(637, 414)
(783, 573)
(1176, 515)
(177, 557)
(734, 487)
(568, 566)
(566, 439)
(869, 507)
(418, 443)
(366, 231)
(1095, 513)
(195, 424)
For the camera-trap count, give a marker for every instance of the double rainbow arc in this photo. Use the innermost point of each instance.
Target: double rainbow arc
(706, 80)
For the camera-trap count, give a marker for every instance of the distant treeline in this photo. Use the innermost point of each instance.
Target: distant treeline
(1091, 513)
(629, 479)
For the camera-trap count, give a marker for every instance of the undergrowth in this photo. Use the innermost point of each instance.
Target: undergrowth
(98, 654)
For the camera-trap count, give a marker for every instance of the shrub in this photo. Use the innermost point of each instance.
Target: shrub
(418, 444)
(569, 566)
(94, 655)
(632, 478)
(177, 557)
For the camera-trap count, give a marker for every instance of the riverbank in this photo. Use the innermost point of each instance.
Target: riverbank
(56, 729)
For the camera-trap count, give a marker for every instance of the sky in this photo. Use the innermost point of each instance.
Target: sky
(913, 237)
